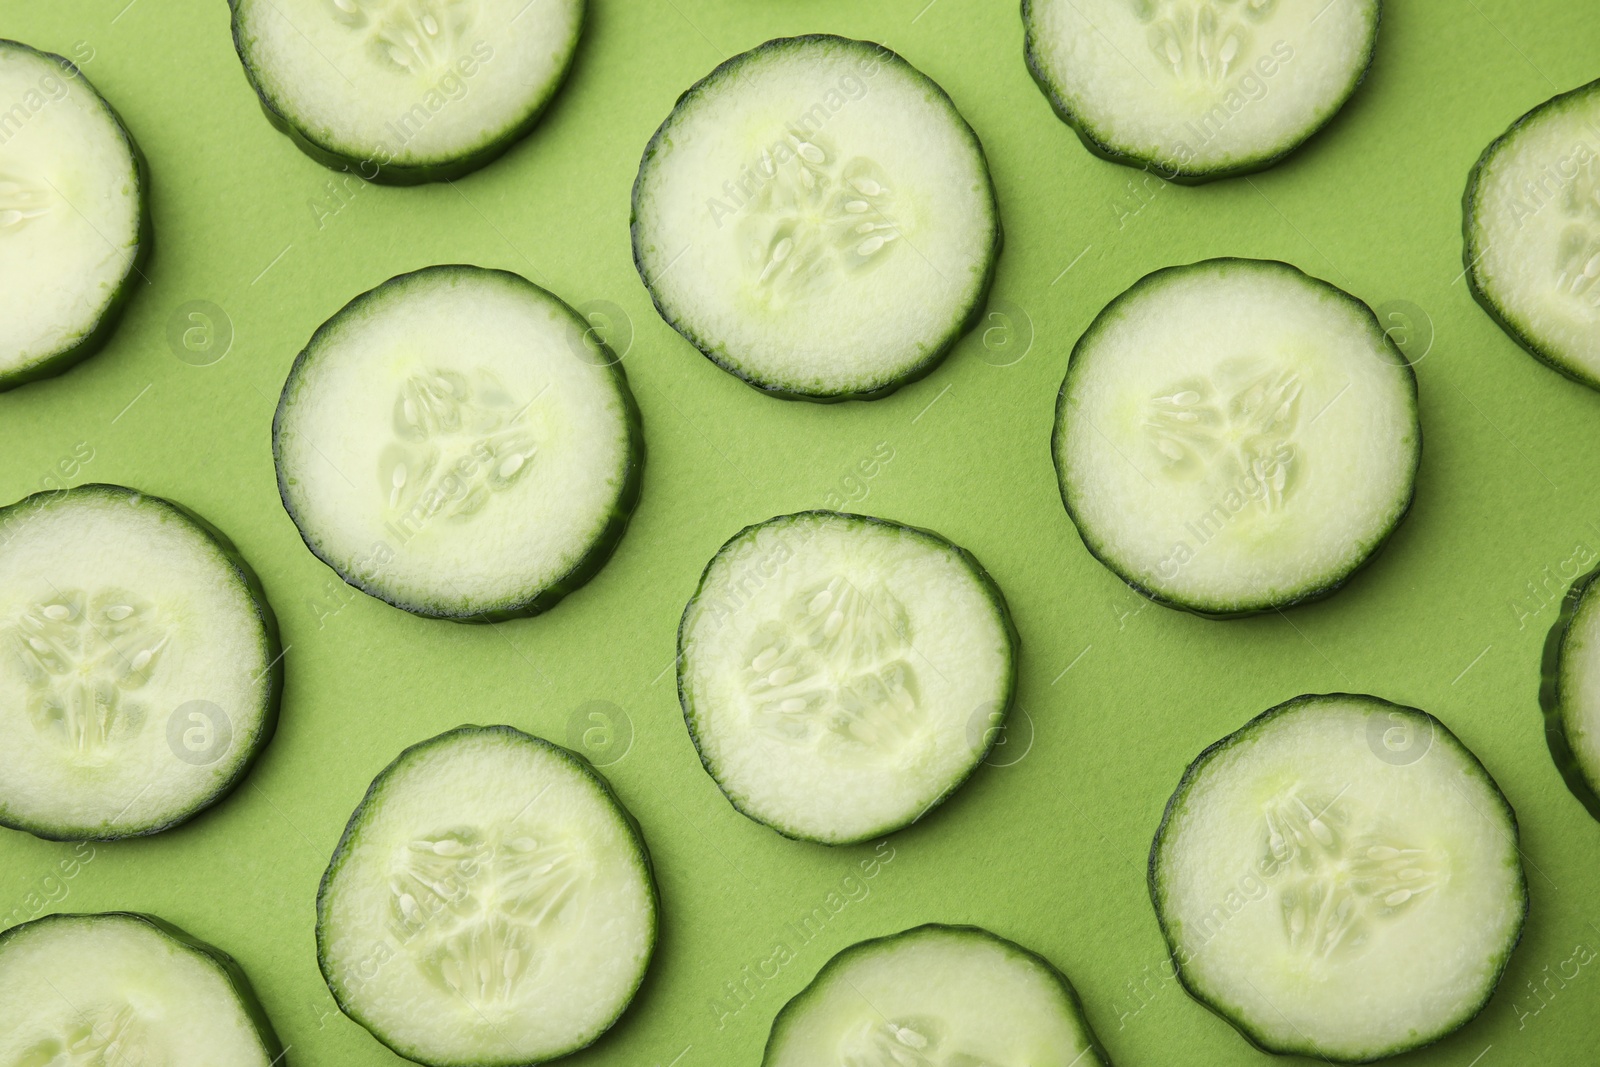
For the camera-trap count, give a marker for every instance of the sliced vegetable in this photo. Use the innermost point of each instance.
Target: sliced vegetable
(490, 903)
(842, 675)
(139, 664)
(1533, 232)
(1234, 436)
(456, 443)
(952, 996)
(74, 226)
(1340, 878)
(817, 218)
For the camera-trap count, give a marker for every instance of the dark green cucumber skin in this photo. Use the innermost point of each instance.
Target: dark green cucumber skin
(1470, 253)
(1585, 788)
(93, 341)
(936, 356)
(1180, 175)
(373, 796)
(1008, 699)
(797, 1003)
(391, 173)
(1222, 613)
(272, 680)
(214, 957)
(1440, 732)
(600, 551)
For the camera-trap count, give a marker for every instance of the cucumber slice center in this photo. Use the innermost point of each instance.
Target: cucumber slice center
(1205, 45)
(1232, 428)
(833, 673)
(819, 220)
(459, 440)
(85, 656)
(416, 37)
(1344, 877)
(101, 1034)
(1578, 254)
(477, 905)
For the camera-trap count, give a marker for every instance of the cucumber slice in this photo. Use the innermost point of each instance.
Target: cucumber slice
(1570, 693)
(74, 226)
(1198, 89)
(817, 218)
(454, 442)
(139, 664)
(1339, 878)
(405, 91)
(1532, 224)
(1234, 436)
(491, 902)
(122, 988)
(934, 996)
(841, 675)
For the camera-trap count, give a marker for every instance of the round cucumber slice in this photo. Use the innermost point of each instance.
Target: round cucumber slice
(122, 988)
(74, 226)
(1198, 89)
(139, 664)
(1339, 878)
(490, 903)
(455, 443)
(1234, 436)
(1570, 693)
(817, 218)
(841, 675)
(405, 91)
(1532, 224)
(934, 995)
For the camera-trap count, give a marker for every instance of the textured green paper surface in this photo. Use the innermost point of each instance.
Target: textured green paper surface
(1049, 851)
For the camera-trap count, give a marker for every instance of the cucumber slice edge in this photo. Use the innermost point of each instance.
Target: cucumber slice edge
(1583, 784)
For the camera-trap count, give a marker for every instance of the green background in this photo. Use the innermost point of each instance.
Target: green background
(1048, 850)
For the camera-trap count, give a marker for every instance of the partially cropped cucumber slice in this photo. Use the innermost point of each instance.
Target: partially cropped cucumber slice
(934, 996)
(841, 675)
(1533, 232)
(817, 218)
(405, 91)
(1340, 878)
(1198, 89)
(1570, 693)
(1235, 436)
(454, 442)
(139, 664)
(120, 988)
(74, 227)
(490, 903)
